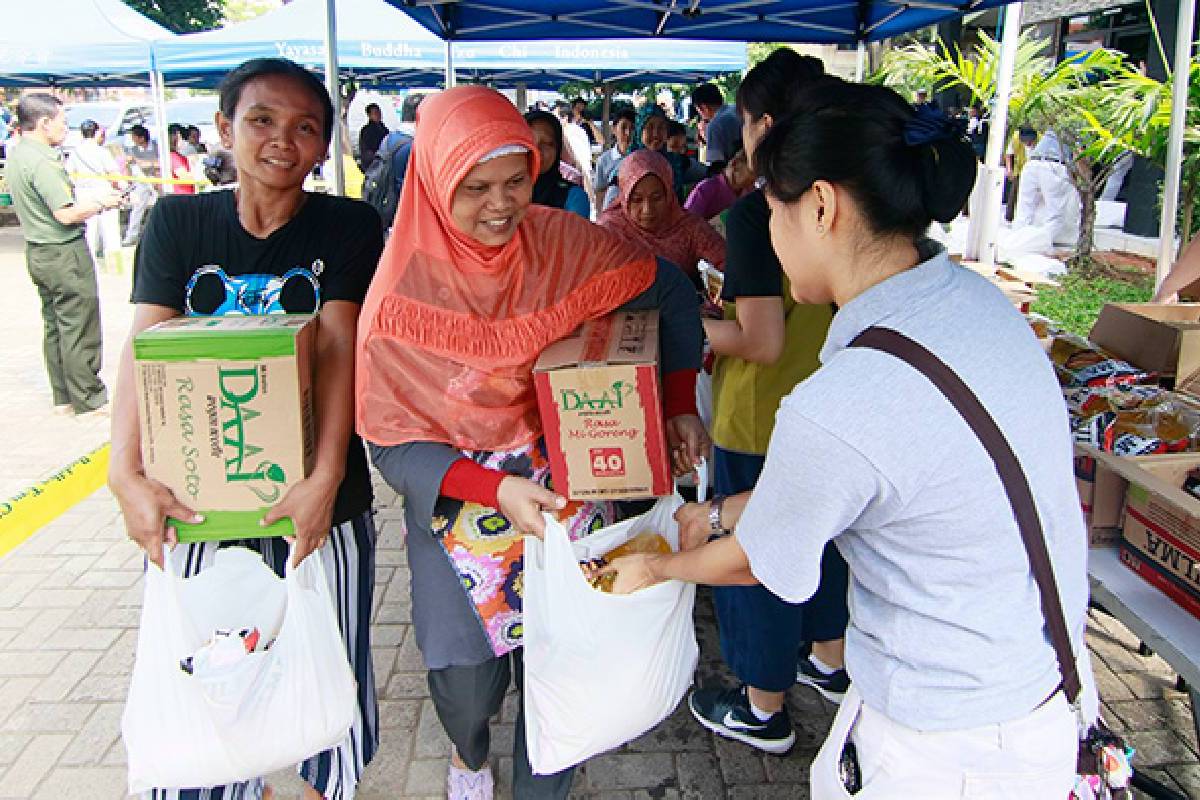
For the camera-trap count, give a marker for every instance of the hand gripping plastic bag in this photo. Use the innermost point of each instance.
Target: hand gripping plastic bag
(600, 669)
(270, 710)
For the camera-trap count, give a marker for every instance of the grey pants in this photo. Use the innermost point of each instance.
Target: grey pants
(65, 277)
(466, 698)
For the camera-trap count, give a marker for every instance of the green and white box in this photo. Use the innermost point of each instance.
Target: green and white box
(226, 412)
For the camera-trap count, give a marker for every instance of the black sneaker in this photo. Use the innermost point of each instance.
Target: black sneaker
(831, 685)
(727, 712)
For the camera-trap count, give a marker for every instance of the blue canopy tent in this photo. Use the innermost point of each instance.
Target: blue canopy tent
(89, 42)
(383, 47)
(813, 21)
(375, 44)
(550, 63)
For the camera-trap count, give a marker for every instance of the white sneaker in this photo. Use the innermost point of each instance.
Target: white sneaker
(463, 784)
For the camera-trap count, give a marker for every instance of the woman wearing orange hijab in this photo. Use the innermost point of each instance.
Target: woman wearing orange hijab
(475, 282)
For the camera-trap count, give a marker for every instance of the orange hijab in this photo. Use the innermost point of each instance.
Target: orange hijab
(450, 328)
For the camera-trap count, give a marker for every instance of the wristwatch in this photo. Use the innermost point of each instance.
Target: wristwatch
(716, 530)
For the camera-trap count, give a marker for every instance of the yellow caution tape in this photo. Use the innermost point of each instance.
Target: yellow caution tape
(141, 179)
(26, 512)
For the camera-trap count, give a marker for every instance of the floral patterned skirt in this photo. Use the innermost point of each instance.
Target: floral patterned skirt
(489, 556)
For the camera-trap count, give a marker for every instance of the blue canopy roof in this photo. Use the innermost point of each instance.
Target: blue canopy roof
(375, 42)
(550, 63)
(382, 46)
(86, 41)
(816, 21)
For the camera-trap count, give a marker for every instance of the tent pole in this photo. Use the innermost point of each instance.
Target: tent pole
(606, 114)
(860, 62)
(1179, 100)
(450, 78)
(158, 89)
(335, 93)
(986, 222)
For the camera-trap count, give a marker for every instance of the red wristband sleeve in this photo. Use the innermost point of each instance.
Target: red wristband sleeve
(679, 393)
(466, 480)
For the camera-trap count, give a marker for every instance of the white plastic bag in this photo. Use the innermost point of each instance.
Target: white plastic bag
(277, 708)
(600, 669)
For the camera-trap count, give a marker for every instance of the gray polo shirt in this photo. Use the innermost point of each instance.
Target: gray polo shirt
(945, 627)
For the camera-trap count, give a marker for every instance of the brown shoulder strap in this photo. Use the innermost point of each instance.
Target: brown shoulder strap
(1016, 485)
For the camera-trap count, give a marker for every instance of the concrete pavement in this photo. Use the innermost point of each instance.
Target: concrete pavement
(69, 609)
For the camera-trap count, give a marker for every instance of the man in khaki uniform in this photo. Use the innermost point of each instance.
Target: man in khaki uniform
(56, 254)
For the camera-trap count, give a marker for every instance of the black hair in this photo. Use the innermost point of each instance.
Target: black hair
(625, 112)
(772, 86)
(31, 108)
(175, 129)
(231, 87)
(140, 131)
(549, 187)
(675, 128)
(193, 129)
(708, 94)
(374, 106)
(852, 135)
(1026, 133)
(88, 128)
(575, 100)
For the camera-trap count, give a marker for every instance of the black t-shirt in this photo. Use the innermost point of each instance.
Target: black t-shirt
(196, 257)
(751, 267)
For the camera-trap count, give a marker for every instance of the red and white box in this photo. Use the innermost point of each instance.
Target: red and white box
(600, 398)
(1160, 539)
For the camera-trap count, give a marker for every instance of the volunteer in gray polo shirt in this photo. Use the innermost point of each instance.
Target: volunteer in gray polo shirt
(955, 685)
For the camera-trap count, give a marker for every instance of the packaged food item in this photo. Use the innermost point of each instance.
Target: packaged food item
(1080, 363)
(225, 406)
(644, 542)
(600, 397)
(224, 650)
(1043, 327)
(1133, 420)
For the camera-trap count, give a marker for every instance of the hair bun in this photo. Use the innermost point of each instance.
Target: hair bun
(947, 170)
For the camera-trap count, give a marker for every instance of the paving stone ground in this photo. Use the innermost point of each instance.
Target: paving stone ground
(70, 601)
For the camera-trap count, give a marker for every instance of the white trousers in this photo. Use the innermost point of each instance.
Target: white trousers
(103, 233)
(1045, 196)
(1030, 757)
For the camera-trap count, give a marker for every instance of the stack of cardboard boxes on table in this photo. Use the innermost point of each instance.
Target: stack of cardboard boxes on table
(1133, 391)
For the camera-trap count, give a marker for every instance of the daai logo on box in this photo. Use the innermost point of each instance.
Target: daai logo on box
(609, 399)
(239, 387)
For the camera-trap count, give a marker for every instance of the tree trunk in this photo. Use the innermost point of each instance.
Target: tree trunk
(1082, 175)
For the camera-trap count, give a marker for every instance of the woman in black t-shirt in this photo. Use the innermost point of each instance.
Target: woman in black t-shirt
(269, 247)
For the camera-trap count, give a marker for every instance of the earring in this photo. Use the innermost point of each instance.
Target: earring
(820, 229)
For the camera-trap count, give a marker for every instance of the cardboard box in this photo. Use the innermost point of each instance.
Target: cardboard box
(1101, 496)
(1160, 538)
(226, 412)
(601, 405)
(1101, 482)
(1156, 337)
